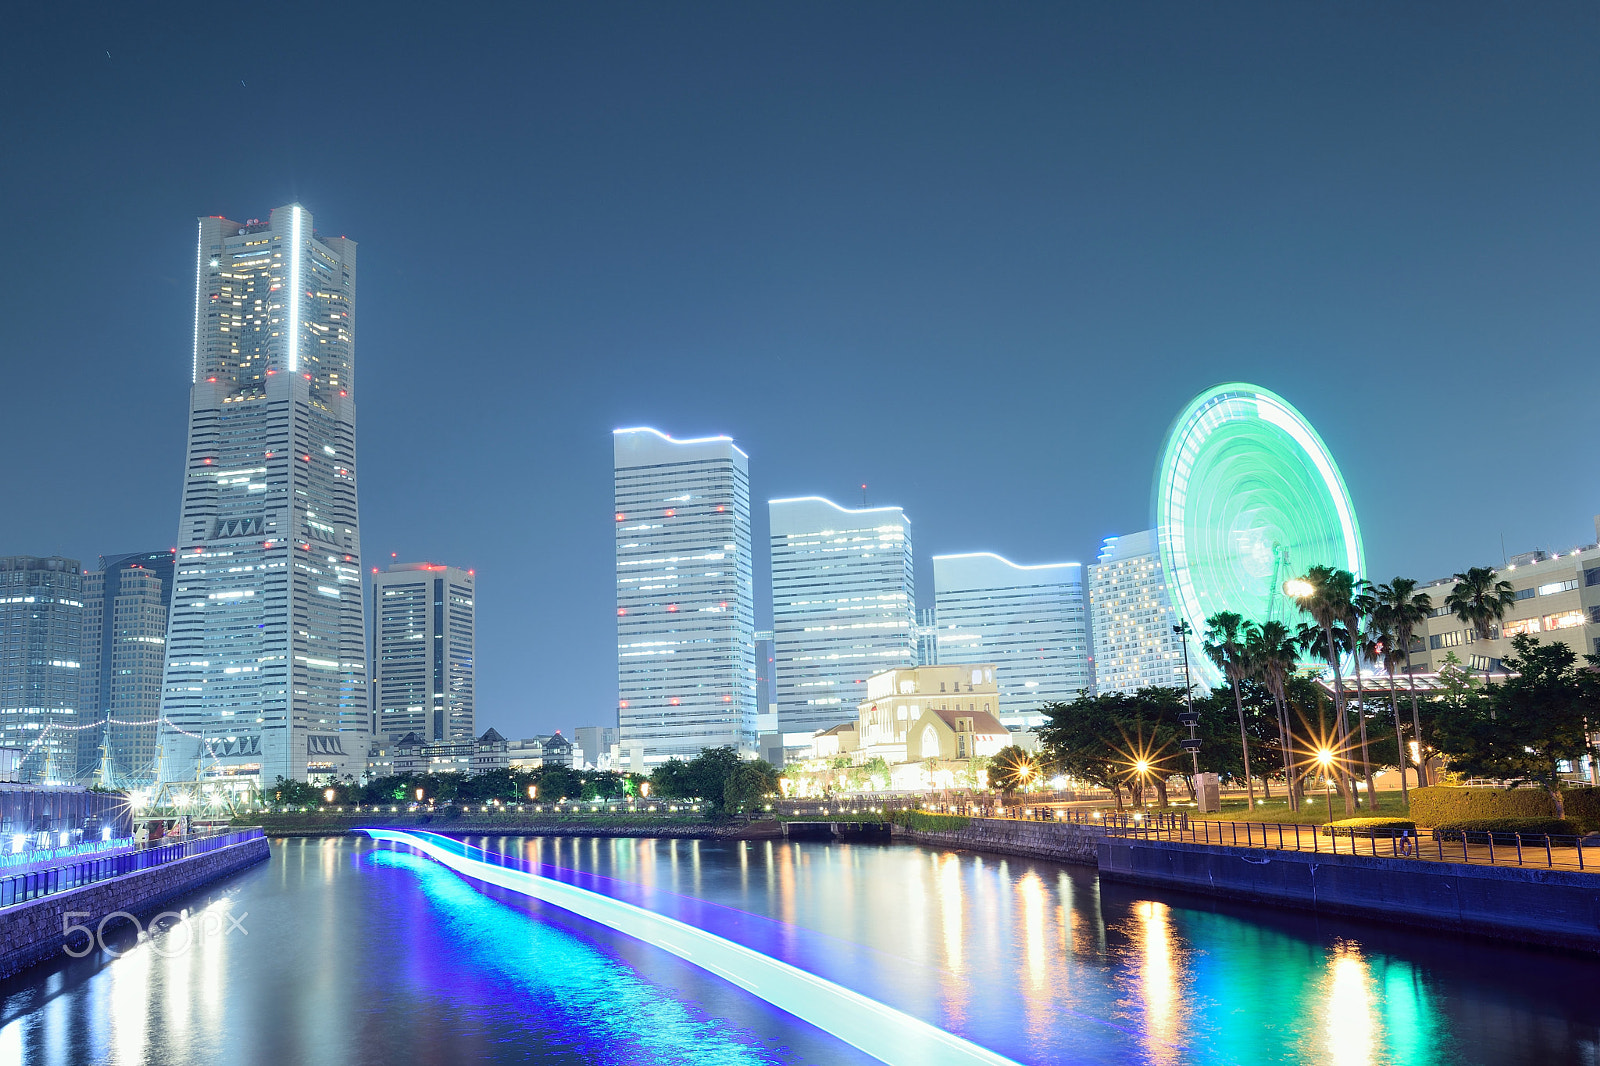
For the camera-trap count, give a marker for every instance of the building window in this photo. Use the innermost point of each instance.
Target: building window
(1564, 620)
(1558, 586)
(1516, 629)
(1592, 576)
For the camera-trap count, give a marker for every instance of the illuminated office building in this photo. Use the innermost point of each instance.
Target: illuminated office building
(41, 634)
(125, 607)
(842, 606)
(1131, 614)
(424, 653)
(686, 671)
(1026, 620)
(266, 648)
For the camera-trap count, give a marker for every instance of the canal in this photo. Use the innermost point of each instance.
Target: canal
(341, 950)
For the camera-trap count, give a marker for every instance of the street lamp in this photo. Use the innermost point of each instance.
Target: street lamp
(1325, 757)
(419, 795)
(533, 792)
(1298, 588)
(1142, 768)
(328, 795)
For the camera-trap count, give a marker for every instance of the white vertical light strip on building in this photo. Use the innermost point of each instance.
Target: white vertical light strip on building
(199, 257)
(294, 290)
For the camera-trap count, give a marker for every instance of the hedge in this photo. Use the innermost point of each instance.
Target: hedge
(1370, 827)
(1504, 830)
(1439, 804)
(1582, 805)
(930, 823)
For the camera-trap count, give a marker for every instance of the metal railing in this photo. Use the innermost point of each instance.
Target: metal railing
(1474, 847)
(24, 887)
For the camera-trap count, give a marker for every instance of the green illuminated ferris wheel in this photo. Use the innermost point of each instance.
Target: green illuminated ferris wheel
(1247, 497)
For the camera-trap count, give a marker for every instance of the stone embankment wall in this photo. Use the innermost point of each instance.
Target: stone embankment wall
(1056, 841)
(31, 932)
(1558, 908)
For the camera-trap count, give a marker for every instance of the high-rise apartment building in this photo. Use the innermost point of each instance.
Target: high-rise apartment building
(1026, 620)
(1131, 614)
(41, 639)
(266, 647)
(686, 672)
(424, 653)
(125, 607)
(843, 606)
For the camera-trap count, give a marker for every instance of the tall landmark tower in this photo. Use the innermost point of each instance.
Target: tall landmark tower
(265, 668)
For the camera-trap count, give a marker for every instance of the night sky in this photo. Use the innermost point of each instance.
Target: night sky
(977, 257)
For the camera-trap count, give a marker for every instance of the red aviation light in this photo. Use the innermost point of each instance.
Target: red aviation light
(621, 516)
(673, 701)
(206, 461)
(727, 699)
(621, 611)
(721, 508)
(672, 607)
(671, 513)
(211, 381)
(623, 704)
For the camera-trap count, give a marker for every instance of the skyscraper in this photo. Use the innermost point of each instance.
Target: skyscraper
(1132, 617)
(125, 608)
(266, 650)
(424, 653)
(1026, 620)
(843, 605)
(41, 634)
(686, 671)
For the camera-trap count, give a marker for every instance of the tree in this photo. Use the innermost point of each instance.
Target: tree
(1324, 594)
(748, 786)
(1226, 636)
(1360, 608)
(1481, 601)
(1271, 651)
(1404, 610)
(1383, 645)
(1524, 729)
(1011, 768)
(1075, 738)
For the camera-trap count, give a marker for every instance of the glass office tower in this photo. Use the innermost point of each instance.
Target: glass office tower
(424, 653)
(41, 634)
(686, 670)
(1026, 620)
(843, 606)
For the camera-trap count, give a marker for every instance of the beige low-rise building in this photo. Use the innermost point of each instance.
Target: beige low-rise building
(898, 699)
(1558, 599)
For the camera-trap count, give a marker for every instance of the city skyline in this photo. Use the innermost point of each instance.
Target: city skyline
(1055, 252)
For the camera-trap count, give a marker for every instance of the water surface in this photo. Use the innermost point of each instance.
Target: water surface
(352, 952)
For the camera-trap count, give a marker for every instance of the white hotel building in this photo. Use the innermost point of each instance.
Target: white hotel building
(265, 672)
(686, 669)
(843, 606)
(1026, 620)
(1131, 613)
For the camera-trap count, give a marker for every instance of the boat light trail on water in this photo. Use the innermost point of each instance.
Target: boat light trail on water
(881, 1031)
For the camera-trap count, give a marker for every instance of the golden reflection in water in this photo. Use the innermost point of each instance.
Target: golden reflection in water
(1159, 966)
(950, 907)
(1031, 891)
(1353, 1027)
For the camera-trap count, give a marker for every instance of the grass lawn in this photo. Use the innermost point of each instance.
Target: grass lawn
(1315, 812)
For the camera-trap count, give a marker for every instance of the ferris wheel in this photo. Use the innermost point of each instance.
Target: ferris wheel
(1247, 496)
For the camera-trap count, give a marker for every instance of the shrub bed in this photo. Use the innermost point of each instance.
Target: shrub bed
(930, 823)
(1440, 804)
(1370, 827)
(1582, 806)
(1504, 830)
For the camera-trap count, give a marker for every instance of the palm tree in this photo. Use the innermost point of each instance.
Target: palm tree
(1271, 651)
(1324, 594)
(1226, 636)
(1360, 608)
(1382, 633)
(1480, 601)
(1405, 609)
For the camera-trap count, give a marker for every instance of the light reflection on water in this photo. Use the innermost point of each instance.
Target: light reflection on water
(359, 954)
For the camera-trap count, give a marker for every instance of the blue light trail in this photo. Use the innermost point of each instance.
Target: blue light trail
(881, 1031)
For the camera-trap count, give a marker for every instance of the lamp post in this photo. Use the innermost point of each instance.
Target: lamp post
(1325, 757)
(1189, 718)
(1142, 768)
